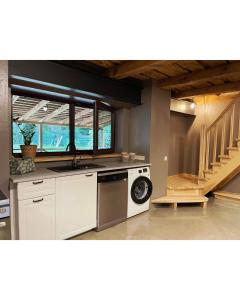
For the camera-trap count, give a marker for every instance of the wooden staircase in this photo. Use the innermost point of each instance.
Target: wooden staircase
(219, 160)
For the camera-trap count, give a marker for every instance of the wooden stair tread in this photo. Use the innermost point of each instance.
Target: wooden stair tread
(216, 164)
(233, 148)
(225, 156)
(181, 188)
(227, 195)
(209, 172)
(181, 199)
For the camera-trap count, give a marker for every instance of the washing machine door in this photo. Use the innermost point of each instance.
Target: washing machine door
(141, 190)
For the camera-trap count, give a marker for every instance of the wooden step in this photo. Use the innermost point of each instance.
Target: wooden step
(216, 164)
(233, 148)
(209, 171)
(174, 200)
(224, 195)
(181, 188)
(224, 156)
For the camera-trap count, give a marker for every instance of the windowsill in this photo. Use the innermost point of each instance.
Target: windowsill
(40, 159)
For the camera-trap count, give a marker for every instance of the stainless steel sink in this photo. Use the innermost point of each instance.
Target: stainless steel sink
(75, 168)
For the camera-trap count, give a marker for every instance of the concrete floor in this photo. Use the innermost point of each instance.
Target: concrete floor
(219, 221)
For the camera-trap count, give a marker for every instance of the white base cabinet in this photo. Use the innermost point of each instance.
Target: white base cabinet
(76, 204)
(37, 218)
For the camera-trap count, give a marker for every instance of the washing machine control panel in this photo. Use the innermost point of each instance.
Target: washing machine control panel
(144, 170)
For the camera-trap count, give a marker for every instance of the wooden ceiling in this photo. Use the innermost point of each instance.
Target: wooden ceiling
(37, 111)
(185, 78)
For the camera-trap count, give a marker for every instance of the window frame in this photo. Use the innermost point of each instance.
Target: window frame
(72, 103)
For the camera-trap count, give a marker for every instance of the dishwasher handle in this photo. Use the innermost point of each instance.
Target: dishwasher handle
(112, 176)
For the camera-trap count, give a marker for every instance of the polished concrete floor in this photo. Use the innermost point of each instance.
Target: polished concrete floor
(219, 221)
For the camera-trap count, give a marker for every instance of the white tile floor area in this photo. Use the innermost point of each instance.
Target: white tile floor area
(220, 220)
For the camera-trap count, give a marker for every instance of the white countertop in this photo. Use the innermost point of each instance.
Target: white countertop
(44, 173)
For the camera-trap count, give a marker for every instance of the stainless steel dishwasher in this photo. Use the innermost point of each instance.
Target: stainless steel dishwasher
(112, 198)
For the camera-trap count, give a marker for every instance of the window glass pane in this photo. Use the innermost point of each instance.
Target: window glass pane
(83, 128)
(51, 119)
(104, 129)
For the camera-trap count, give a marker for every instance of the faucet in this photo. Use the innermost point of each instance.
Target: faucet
(72, 146)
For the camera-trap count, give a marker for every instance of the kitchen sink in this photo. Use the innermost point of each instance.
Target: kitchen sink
(75, 168)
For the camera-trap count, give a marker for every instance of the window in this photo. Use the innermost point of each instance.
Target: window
(52, 124)
(84, 129)
(104, 129)
(60, 123)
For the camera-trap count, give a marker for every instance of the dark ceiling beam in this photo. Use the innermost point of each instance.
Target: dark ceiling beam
(86, 83)
(200, 76)
(215, 89)
(131, 68)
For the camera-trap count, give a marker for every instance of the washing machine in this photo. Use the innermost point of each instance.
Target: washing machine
(139, 190)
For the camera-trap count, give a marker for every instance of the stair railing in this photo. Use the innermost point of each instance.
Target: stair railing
(218, 137)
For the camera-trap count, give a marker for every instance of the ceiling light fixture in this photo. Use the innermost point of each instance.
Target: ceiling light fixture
(193, 105)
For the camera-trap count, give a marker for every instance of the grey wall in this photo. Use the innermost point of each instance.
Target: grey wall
(4, 127)
(159, 139)
(52, 72)
(122, 130)
(139, 124)
(144, 130)
(179, 126)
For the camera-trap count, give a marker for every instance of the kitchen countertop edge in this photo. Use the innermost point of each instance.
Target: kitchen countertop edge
(44, 173)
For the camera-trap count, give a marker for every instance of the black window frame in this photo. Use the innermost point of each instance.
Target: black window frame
(97, 105)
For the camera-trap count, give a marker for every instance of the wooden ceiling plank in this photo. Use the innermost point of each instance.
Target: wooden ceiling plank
(78, 115)
(15, 99)
(56, 112)
(131, 68)
(215, 89)
(203, 75)
(33, 110)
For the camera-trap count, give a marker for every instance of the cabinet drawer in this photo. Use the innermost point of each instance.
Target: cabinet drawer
(37, 218)
(35, 188)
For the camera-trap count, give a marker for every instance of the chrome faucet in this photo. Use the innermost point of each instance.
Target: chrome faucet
(73, 148)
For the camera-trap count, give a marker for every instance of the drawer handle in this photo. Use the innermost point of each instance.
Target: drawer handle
(37, 200)
(37, 182)
(89, 175)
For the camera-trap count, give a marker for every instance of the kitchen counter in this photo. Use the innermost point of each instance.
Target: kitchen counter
(44, 173)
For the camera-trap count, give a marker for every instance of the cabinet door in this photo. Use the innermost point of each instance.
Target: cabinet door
(76, 204)
(37, 218)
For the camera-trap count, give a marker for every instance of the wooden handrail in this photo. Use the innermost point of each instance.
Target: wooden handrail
(219, 118)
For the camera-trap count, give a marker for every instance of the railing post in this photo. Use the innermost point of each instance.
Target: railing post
(231, 126)
(223, 135)
(207, 150)
(239, 126)
(202, 152)
(215, 144)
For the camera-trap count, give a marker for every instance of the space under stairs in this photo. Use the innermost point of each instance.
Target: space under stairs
(219, 160)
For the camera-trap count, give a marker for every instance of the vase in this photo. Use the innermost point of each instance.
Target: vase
(28, 150)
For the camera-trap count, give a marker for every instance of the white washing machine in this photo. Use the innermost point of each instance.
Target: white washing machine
(139, 190)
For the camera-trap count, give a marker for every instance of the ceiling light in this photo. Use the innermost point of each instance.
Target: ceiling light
(193, 105)
(45, 108)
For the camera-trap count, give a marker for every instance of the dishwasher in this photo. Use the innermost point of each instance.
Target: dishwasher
(112, 198)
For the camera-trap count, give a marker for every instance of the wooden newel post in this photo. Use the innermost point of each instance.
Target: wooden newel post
(202, 153)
